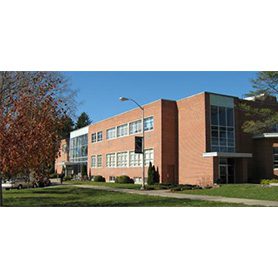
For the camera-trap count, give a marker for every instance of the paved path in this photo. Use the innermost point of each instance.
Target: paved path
(168, 194)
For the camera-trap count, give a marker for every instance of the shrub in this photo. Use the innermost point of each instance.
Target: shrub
(67, 178)
(124, 179)
(267, 182)
(99, 179)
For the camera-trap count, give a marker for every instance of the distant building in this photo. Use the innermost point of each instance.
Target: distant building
(196, 140)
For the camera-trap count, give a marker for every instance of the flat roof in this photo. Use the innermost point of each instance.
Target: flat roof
(161, 99)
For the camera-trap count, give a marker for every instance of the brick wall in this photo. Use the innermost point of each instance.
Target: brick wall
(63, 156)
(193, 139)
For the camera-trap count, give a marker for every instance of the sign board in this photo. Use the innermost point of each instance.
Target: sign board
(138, 144)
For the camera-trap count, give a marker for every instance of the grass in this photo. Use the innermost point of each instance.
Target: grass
(110, 184)
(247, 191)
(67, 196)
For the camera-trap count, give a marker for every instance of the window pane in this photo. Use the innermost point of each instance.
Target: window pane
(230, 117)
(148, 123)
(222, 116)
(214, 115)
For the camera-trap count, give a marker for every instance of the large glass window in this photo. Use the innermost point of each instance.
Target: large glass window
(122, 130)
(111, 160)
(122, 159)
(222, 129)
(148, 123)
(135, 127)
(111, 133)
(275, 158)
(79, 149)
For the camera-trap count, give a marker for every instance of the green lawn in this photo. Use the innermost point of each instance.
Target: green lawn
(110, 184)
(86, 197)
(247, 191)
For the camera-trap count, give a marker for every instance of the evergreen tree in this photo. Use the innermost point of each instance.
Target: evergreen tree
(150, 180)
(83, 120)
(68, 126)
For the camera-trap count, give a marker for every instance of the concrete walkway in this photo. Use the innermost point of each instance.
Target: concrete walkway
(168, 194)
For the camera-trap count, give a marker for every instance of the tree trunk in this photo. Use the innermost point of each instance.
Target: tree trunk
(1, 192)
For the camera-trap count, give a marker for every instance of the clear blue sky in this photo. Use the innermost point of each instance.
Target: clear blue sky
(98, 92)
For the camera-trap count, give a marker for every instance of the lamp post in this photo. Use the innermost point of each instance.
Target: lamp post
(143, 135)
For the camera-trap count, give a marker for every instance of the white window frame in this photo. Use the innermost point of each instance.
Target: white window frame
(99, 132)
(94, 165)
(120, 162)
(136, 124)
(124, 127)
(148, 160)
(108, 160)
(99, 165)
(114, 130)
(94, 137)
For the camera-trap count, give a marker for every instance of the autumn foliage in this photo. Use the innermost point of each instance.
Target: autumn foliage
(32, 109)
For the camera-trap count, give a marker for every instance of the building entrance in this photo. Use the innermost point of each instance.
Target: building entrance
(227, 170)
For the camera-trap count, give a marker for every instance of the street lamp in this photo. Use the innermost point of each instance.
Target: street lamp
(143, 135)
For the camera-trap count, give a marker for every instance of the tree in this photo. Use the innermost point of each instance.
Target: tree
(151, 175)
(67, 127)
(259, 118)
(83, 120)
(32, 105)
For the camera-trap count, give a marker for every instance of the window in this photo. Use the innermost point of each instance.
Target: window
(135, 127)
(99, 161)
(122, 130)
(122, 159)
(99, 136)
(78, 149)
(94, 137)
(137, 180)
(275, 158)
(111, 133)
(93, 161)
(222, 129)
(149, 157)
(111, 160)
(112, 179)
(135, 159)
(148, 123)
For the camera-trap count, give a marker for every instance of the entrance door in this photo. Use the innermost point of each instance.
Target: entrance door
(226, 170)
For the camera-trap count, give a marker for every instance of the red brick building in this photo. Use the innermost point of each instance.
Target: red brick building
(196, 140)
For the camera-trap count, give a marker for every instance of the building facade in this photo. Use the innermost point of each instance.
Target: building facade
(196, 140)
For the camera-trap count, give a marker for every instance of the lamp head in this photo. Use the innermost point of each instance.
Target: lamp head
(123, 99)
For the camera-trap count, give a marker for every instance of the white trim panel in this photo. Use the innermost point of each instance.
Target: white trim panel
(79, 132)
(235, 155)
(266, 135)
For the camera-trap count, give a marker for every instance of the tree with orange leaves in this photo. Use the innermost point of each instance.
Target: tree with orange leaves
(32, 106)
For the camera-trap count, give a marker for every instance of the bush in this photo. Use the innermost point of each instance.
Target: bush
(67, 178)
(124, 179)
(99, 179)
(267, 182)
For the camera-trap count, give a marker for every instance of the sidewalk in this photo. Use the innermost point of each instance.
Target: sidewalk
(168, 194)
